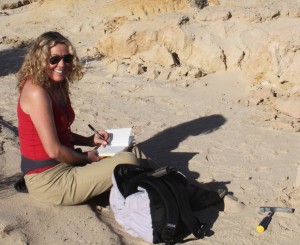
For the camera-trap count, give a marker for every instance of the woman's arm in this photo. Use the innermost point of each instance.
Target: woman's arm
(36, 102)
(93, 140)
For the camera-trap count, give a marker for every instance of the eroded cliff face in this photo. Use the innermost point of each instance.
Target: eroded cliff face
(185, 39)
(260, 38)
(212, 39)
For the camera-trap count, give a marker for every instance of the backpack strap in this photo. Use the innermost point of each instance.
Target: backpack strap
(127, 176)
(177, 184)
(170, 204)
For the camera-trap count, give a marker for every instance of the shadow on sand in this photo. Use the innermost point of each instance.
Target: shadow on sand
(159, 147)
(7, 183)
(11, 60)
(8, 125)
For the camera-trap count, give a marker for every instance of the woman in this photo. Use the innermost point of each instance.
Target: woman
(54, 171)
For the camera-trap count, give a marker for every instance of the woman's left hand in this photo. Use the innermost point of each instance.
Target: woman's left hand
(93, 156)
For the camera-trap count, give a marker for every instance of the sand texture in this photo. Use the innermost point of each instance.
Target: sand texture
(211, 87)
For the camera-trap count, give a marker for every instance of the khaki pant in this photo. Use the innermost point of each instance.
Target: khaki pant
(69, 185)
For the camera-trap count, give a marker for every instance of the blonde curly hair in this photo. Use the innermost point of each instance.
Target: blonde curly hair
(35, 65)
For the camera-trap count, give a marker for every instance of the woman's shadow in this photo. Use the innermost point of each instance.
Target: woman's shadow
(160, 147)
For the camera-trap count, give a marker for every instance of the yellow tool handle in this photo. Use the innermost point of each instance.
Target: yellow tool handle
(264, 223)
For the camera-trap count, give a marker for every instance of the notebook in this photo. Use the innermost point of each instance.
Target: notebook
(120, 140)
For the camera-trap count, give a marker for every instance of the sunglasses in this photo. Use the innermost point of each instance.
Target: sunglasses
(68, 58)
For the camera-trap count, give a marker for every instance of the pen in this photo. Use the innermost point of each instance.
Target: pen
(96, 132)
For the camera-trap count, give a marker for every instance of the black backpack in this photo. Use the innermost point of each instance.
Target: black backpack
(153, 205)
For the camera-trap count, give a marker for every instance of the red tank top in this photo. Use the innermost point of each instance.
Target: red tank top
(30, 143)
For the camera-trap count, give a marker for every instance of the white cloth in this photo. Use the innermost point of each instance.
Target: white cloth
(133, 213)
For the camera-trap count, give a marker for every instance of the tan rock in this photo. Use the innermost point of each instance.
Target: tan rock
(152, 73)
(157, 55)
(292, 73)
(136, 69)
(288, 107)
(195, 73)
(258, 67)
(282, 126)
(260, 96)
(142, 9)
(165, 73)
(295, 91)
(213, 3)
(213, 15)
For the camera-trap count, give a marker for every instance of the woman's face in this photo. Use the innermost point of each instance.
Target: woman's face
(59, 62)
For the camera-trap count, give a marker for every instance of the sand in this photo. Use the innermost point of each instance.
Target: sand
(227, 116)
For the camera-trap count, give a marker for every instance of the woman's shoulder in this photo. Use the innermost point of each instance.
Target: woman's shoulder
(34, 90)
(33, 94)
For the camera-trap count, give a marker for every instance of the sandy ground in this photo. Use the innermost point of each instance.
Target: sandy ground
(207, 127)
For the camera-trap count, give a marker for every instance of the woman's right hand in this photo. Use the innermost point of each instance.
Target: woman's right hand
(105, 138)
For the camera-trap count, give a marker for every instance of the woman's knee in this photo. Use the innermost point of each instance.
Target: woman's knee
(127, 157)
